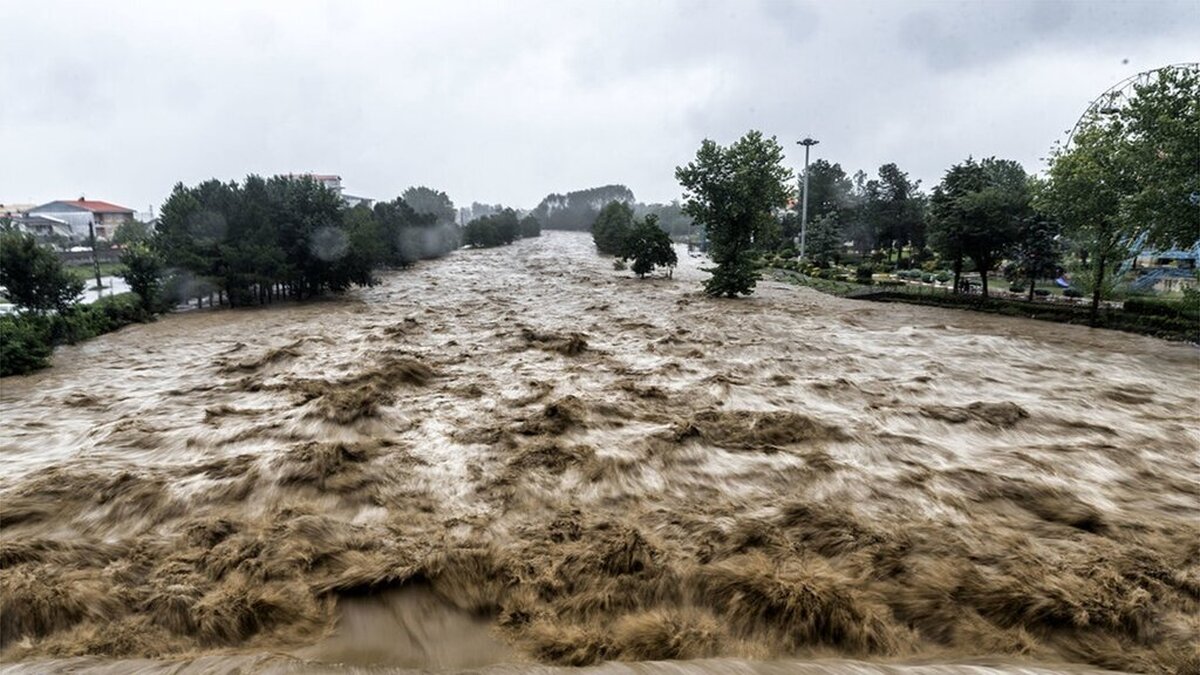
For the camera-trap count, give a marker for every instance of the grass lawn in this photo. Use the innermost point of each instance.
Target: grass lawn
(87, 272)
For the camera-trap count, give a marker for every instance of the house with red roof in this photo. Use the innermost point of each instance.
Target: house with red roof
(81, 213)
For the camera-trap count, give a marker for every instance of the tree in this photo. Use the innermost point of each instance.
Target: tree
(612, 227)
(427, 200)
(824, 239)
(1085, 192)
(578, 210)
(976, 212)
(1129, 170)
(143, 273)
(1161, 125)
(131, 232)
(498, 229)
(33, 276)
(1037, 251)
(733, 193)
(648, 245)
(530, 227)
(897, 209)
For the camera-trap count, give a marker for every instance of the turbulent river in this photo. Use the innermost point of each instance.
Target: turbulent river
(519, 458)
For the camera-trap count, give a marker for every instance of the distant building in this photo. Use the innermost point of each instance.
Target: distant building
(14, 210)
(78, 214)
(334, 183)
(43, 227)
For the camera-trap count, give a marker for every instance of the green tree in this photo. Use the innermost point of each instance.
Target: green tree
(733, 193)
(530, 227)
(131, 232)
(143, 273)
(648, 246)
(1087, 187)
(33, 276)
(612, 227)
(976, 212)
(1038, 250)
(427, 200)
(824, 241)
(1160, 125)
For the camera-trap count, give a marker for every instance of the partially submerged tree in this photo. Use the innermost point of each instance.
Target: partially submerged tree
(733, 192)
(612, 227)
(649, 246)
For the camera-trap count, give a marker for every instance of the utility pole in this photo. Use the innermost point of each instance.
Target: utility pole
(95, 263)
(807, 143)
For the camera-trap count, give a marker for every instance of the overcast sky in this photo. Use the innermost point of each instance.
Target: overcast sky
(507, 101)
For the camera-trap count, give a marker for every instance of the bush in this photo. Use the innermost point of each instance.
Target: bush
(943, 277)
(24, 344)
(864, 273)
(927, 278)
(1160, 307)
(1017, 288)
(27, 340)
(619, 265)
(1041, 292)
(1072, 293)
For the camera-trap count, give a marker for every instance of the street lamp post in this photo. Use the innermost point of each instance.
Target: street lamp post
(807, 143)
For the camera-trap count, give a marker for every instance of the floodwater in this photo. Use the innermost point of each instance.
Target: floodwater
(520, 458)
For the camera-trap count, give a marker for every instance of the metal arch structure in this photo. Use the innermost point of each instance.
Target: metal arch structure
(1116, 96)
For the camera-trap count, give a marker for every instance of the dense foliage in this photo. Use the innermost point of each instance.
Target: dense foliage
(288, 236)
(143, 270)
(498, 229)
(733, 192)
(977, 211)
(33, 276)
(27, 339)
(1130, 172)
(612, 227)
(648, 246)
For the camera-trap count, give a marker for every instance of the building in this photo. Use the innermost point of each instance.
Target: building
(78, 214)
(8, 210)
(43, 227)
(334, 183)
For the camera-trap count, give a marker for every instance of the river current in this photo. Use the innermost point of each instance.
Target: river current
(519, 458)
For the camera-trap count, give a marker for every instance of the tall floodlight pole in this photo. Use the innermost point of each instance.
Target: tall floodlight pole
(807, 143)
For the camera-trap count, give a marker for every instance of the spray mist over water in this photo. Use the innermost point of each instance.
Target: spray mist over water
(524, 452)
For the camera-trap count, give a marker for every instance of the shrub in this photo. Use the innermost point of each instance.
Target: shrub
(619, 265)
(864, 273)
(943, 277)
(1161, 307)
(1073, 293)
(1016, 288)
(24, 344)
(1041, 292)
(927, 278)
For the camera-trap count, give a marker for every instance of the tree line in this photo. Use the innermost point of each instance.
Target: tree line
(237, 244)
(1128, 177)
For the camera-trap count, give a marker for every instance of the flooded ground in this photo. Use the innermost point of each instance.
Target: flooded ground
(519, 456)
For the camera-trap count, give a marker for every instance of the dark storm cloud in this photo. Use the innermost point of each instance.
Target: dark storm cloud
(507, 101)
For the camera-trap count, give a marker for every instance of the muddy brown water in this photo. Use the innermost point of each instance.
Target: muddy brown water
(520, 459)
